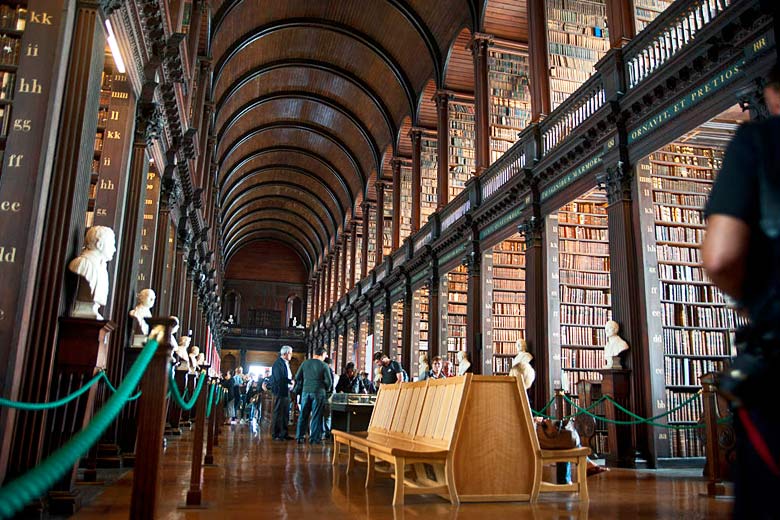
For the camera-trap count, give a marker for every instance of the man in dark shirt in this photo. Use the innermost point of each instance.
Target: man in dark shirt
(741, 259)
(281, 384)
(349, 382)
(391, 370)
(314, 381)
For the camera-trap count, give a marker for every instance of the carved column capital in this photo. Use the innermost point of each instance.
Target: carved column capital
(617, 182)
(442, 99)
(415, 134)
(751, 98)
(532, 230)
(480, 42)
(109, 6)
(148, 122)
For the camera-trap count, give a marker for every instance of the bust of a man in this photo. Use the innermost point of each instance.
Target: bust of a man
(182, 353)
(194, 354)
(464, 365)
(521, 365)
(90, 266)
(142, 310)
(615, 345)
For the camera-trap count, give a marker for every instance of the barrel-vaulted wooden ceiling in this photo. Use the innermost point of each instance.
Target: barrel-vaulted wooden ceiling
(313, 97)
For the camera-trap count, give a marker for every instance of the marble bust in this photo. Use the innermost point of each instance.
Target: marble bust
(424, 367)
(181, 352)
(90, 266)
(521, 365)
(142, 310)
(464, 365)
(194, 355)
(615, 345)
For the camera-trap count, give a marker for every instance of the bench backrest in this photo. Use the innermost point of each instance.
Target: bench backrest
(384, 408)
(408, 409)
(441, 411)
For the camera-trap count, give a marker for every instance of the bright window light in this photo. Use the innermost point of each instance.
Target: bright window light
(120, 64)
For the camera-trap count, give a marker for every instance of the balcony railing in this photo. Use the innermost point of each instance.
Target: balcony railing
(578, 107)
(256, 332)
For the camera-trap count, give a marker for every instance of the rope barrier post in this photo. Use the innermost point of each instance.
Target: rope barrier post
(719, 438)
(616, 382)
(221, 415)
(215, 405)
(82, 346)
(174, 410)
(195, 493)
(151, 425)
(189, 385)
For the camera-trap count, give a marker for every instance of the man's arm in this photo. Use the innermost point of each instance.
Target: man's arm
(724, 252)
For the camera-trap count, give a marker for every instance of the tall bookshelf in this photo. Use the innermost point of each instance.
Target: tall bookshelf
(357, 263)
(695, 327)
(645, 11)
(577, 38)
(362, 351)
(506, 267)
(378, 329)
(13, 20)
(420, 313)
(100, 135)
(371, 238)
(579, 259)
(510, 100)
(351, 339)
(455, 286)
(462, 154)
(335, 353)
(429, 165)
(396, 331)
(387, 230)
(405, 218)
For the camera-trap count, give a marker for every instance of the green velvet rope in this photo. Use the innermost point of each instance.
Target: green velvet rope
(65, 400)
(211, 399)
(640, 420)
(18, 493)
(185, 405)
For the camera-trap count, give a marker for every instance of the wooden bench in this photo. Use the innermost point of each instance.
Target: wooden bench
(467, 439)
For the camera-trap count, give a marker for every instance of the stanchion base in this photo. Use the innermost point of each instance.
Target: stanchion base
(208, 460)
(64, 502)
(89, 476)
(128, 460)
(194, 498)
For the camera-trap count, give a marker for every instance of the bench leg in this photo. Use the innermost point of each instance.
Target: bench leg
(582, 478)
(369, 469)
(350, 455)
(449, 475)
(400, 467)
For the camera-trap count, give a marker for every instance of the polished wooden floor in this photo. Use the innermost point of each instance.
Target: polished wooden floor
(256, 477)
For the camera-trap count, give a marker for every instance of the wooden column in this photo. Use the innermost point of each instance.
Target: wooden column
(434, 315)
(622, 26)
(56, 235)
(387, 321)
(176, 291)
(617, 383)
(416, 136)
(195, 493)
(364, 245)
(336, 271)
(538, 64)
(474, 305)
(406, 341)
(479, 51)
(193, 35)
(331, 280)
(626, 272)
(442, 99)
(344, 254)
(380, 222)
(314, 304)
(396, 165)
(163, 269)
(352, 252)
(151, 424)
(147, 128)
(536, 306)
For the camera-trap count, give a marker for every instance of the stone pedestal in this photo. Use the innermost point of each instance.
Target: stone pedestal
(616, 383)
(82, 348)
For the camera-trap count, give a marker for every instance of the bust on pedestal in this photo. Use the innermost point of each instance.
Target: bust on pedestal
(194, 357)
(521, 365)
(615, 345)
(182, 354)
(90, 266)
(464, 365)
(139, 313)
(616, 382)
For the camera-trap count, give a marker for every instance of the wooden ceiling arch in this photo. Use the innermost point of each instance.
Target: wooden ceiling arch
(292, 157)
(258, 202)
(281, 213)
(273, 235)
(279, 224)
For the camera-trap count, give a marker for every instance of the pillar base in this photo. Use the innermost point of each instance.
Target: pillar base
(194, 497)
(108, 456)
(65, 503)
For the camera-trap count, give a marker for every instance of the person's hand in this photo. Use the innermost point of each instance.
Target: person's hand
(265, 387)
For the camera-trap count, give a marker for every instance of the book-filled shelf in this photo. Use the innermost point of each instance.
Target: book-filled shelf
(351, 339)
(371, 236)
(387, 229)
(334, 350)
(696, 327)
(462, 155)
(357, 264)
(454, 294)
(100, 135)
(576, 38)
(429, 165)
(397, 331)
(405, 218)
(645, 11)
(580, 288)
(510, 100)
(504, 268)
(362, 346)
(378, 331)
(420, 304)
(13, 20)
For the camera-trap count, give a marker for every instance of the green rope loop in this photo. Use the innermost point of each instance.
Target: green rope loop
(114, 390)
(54, 404)
(638, 421)
(187, 405)
(18, 493)
(659, 416)
(211, 399)
(567, 417)
(541, 412)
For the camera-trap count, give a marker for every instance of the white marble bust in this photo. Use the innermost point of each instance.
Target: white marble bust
(194, 355)
(521, 365)
(464, 365)
(142, 310)
(615, 345)
(90, 266)
(182, 353)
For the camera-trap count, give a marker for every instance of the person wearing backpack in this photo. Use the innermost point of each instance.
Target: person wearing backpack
(391, 370)
(741, 254)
